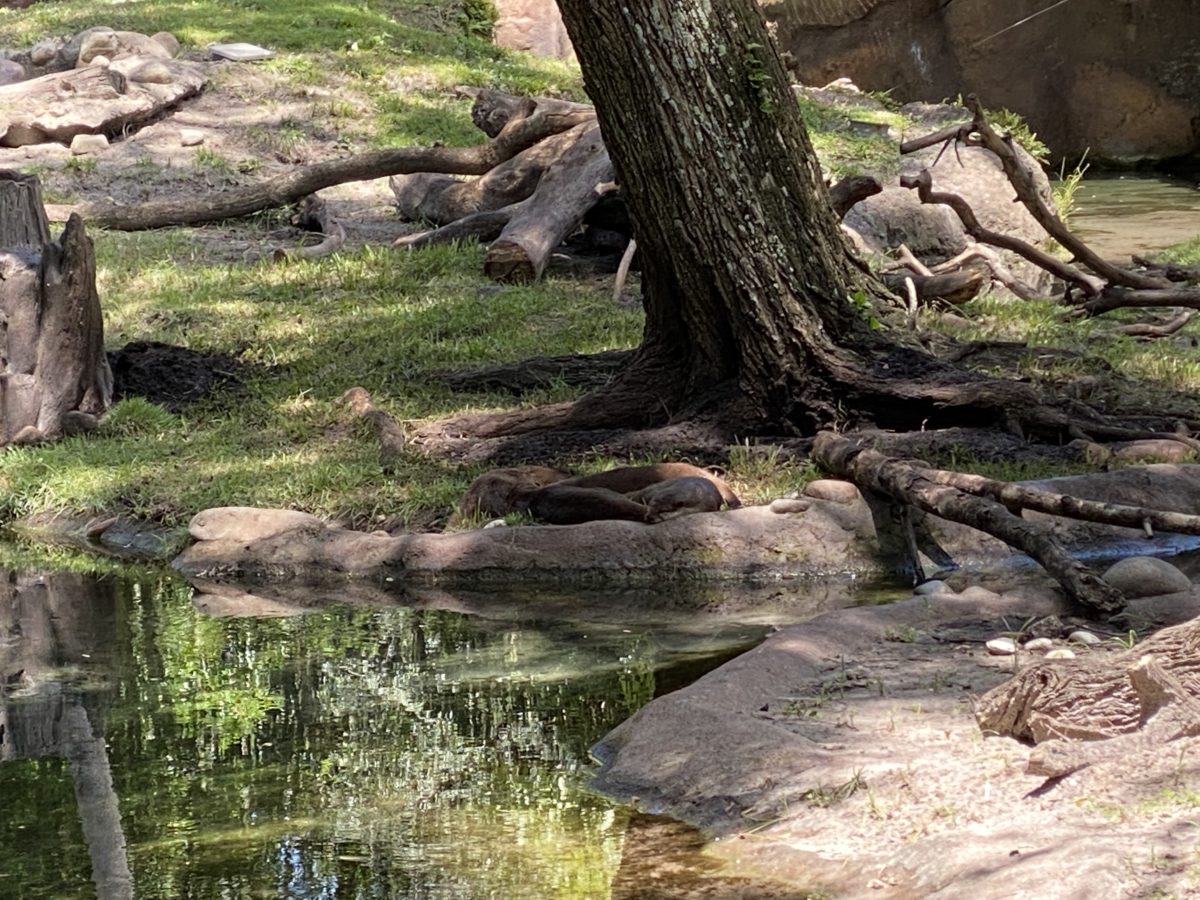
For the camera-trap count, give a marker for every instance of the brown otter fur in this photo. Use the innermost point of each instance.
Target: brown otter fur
(635, 493)
(628, 479)
(679, 497)
(503, 491)
(565, 504)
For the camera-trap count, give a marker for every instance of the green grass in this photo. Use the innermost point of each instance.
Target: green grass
(386, 320)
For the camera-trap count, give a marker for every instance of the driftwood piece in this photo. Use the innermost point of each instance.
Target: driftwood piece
(948, 287)
(54, 375)
(555, 209)
(1125, 298)
(442, 199)
(91, 100)
(911, 484)
(1081, 712)
(521, 132)
(923, 184)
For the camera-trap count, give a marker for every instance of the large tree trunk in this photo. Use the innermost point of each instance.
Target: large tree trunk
(54, 375)
(745, 273)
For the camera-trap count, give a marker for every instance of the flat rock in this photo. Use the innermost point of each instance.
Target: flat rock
(833, 490)
(1146, 576)
(246, 524)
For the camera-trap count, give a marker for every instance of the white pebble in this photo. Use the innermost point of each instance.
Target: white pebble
(496, 523)
(1082, 637)
(88, 143)
(190, 137)
(1001, 647)
(1039, 644)
(1061, 653)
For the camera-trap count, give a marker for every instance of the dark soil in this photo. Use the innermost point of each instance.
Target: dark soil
(173, 377)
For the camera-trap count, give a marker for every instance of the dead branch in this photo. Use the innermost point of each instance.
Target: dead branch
(563, 196)
(623, 270)
(910, 484)
(1033, 200)
(518, 134)
(1125, 298)
(442, 199)
(923, 184)
(1150, 332)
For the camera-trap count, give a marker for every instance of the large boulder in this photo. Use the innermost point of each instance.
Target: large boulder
(534, 26)
(1129, 92)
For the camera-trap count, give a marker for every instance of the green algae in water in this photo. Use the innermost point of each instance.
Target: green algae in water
(344, 753)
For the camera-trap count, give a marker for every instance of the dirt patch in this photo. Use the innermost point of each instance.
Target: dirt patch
(173, 377)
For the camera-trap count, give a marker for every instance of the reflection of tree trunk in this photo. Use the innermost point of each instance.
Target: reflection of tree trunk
(97, 803)
(57, 620)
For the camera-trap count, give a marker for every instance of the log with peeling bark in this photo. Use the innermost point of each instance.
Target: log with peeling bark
(563, 196)
(911, 484)
(54, 375)
(1082, 712)
(948, 287)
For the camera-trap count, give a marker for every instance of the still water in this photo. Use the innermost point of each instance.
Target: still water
(1131, 214)
(149, 749)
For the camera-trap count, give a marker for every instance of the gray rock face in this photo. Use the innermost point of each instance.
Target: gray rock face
(11, 71)
(1146, 576)
(532, 25)
(1128, 92)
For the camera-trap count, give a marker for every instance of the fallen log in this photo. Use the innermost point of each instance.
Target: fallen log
(564, 195)
(948, 287)
(520, 133)
(443, 199)
(54, 375)
(482, 226)
(911, 484)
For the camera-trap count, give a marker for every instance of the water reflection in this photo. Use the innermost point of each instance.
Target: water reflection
(359, 750)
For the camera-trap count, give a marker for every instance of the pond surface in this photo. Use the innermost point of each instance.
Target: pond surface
(149, 749)
(1135, 214)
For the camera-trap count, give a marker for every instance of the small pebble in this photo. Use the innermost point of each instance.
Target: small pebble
(190, 137)
(1061, 653)
(1039, 644)
(1083, 637)
(789, 505)
(1001, 647)
(932, 587)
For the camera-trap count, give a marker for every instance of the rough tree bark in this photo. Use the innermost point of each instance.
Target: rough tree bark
(54, 376)
(752, 296)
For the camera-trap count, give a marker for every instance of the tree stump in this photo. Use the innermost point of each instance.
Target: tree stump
(54, 376)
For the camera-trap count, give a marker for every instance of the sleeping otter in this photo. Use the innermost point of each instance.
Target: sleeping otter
(633, 493)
